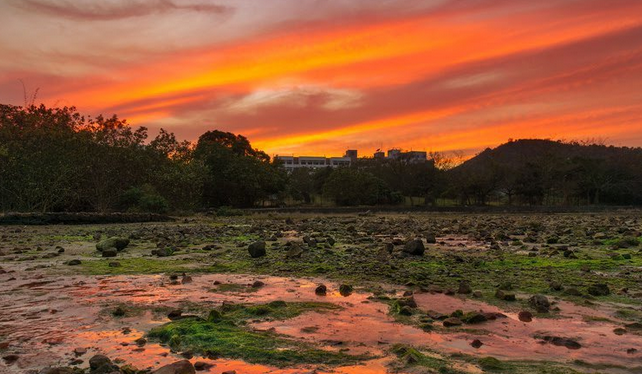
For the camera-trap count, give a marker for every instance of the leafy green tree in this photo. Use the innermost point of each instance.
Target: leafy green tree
(350, 186)
(237, 175)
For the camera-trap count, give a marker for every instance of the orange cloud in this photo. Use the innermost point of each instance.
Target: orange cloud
(444, 77)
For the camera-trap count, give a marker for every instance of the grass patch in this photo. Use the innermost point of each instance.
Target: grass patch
(411, 357)
(224, 334)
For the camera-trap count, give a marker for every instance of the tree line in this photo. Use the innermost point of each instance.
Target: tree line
(54, 159)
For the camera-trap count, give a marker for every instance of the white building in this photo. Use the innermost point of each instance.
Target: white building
(292, 162)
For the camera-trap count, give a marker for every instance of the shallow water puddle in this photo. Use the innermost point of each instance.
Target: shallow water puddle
(45, 319)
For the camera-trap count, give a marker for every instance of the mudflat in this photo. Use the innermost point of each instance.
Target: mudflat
(326, 293)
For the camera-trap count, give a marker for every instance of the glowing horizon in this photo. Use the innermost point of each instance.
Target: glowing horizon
(309, 77)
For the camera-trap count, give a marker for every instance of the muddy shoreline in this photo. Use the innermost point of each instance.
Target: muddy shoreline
(444, 308)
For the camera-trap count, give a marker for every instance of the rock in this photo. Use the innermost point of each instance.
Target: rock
(113, 242)
(431, 238)
(99, 363)
(110, 252)
(506, 296)
(258, 284)
(476, 343)
(140, 342)
(229, 372)
(295, 251)
(414, 247)
(175, 314)
(80, 351)
(474, 318)
(408, 301)
(464, 287)
(179, 367)
(619, 331)
(563, 342)
(452, 321)
(119, 312)
(525, 316)
(540, 303)
(74, 262)
(345, 290)
(257, 249)
(114, 264)
(202, 365)
(555, 286)
(163, 252)
(10, 358)
(321, 290)
(599, 289)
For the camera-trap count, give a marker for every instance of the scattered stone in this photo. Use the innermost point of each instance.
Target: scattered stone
(10, 358)
(414, 247)
(619, 331)
(555, 286)
(525, 316)
(101, 364)
(345, 290)
(540, 303)
(179, 367)
(599, 289)
(476, 343)
(258, 284)
(506, 296)
(563, 342)
(202, 365)
(452, 321)
(464, 287)
(74, 262)
(321, 290)
(114, 264)
(113, 242)
(110, 252)
(257, 249)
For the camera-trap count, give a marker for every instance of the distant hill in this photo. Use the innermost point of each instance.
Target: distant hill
(525, 150)
(538, 171)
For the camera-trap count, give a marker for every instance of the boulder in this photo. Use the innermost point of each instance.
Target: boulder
(525, 316)
(113, 242)
(100, 364)
(345, 290)
(179, 367)
(257, 249)
(452, 321)
(540, 303)
(414, 247)
(506, 296)
(599, 289)
(110, 252)
(464, 287)
(321, 290)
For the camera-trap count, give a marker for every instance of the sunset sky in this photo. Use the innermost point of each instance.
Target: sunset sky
(320, 76)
